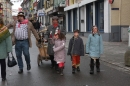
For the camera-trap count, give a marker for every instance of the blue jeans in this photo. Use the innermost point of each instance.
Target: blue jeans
(22, 46)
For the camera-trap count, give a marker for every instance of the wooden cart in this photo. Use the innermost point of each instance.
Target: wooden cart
(42, 47)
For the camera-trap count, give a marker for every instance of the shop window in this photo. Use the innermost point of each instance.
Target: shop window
(89, 17)
(100, 15)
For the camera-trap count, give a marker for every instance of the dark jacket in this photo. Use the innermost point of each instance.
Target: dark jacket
(52, 30)
(36, 25)
(76, 46)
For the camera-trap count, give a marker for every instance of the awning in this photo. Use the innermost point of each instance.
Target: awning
(84, 2)
(71, 7)
(57, 10)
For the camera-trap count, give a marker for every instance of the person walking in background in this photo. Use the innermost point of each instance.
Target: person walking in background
(5, 47)
(34, 24)
(94, 47)
(22, 39)
(37, 25)
(11, 24)
(51, 30)
(59, 51)
(75, 50)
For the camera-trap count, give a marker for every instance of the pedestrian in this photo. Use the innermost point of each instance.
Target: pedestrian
(22, 40)
(37, 25)
(75, 50)
(59, 51)
(5, 47)
(48, 36)
(94, 47)
(13, 22)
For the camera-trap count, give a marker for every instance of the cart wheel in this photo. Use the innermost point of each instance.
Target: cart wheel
(41, 62)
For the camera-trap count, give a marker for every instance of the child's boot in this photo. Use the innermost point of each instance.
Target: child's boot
(78, 69)
(58, 70)
(61, 71)
(73, 69)
(98, 65)
(91, 69)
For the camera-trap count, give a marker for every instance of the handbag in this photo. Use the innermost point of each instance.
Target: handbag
(11, 63)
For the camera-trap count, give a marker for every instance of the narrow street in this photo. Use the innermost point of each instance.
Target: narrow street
(45, 76)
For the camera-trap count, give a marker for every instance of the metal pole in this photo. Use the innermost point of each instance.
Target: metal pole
(78, 16)
(129, 36)
(6, 12)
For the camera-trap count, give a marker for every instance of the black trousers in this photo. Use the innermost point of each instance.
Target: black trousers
(3, 68)
(53, 63)
(52, 60)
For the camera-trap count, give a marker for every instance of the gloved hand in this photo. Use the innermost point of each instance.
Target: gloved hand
(39, 41)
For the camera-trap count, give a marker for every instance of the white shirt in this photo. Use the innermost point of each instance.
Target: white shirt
(21, 32)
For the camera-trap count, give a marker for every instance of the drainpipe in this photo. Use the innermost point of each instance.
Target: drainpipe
(78, 16)
(120, 19)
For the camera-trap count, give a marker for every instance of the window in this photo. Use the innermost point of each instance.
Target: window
(89, 17)
(69, 21)
(75, 22)
(100, 15)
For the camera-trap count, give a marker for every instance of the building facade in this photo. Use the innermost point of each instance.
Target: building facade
(27, 8)
(41, 11)
(49, 6)
(6, 10)
(55, 8)
(110, 16)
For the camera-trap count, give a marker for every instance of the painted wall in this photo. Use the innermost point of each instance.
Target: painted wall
(125, 12)
(82, 19)
(120, 20)
(121, 16)
(115, 14)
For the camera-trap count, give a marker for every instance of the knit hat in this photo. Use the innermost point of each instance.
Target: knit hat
(76, 31)
(54, 17)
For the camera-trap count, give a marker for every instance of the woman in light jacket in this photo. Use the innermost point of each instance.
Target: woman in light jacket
(5, 47)
(94, 47)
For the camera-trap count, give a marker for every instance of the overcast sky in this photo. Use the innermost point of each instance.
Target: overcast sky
(16, 5)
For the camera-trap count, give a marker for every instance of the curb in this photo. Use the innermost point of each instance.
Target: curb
(128, 69)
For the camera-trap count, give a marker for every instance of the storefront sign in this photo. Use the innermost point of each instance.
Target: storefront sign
(41, 14)
(114, 8)
(111, 1)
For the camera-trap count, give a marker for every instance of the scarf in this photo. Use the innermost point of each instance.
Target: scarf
(55, 25)
(4, 33)
(23, 22)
